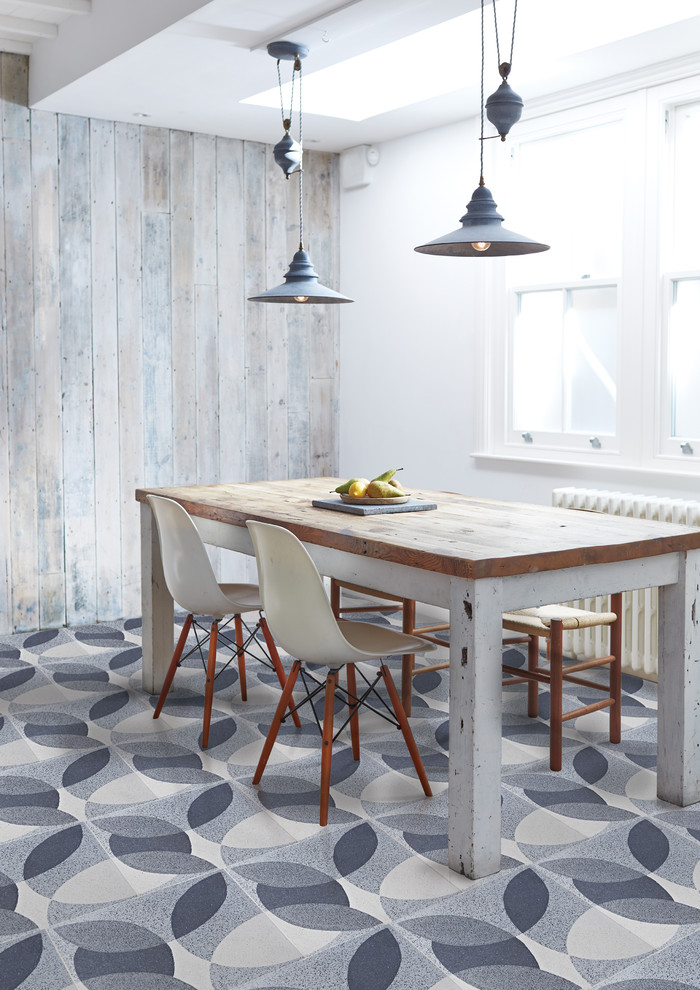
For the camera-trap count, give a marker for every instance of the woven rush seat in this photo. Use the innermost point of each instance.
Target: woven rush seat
(537, 621)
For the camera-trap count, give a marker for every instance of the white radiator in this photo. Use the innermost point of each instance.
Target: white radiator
(639, 608)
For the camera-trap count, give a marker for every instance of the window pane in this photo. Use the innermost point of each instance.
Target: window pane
(686, 189)
(591, 360)
(565, 361)
(562, 187)
(684, 358)
(537, 360)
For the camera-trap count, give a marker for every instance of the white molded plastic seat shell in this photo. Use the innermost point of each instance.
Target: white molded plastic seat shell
(300, 615)
(188, 572)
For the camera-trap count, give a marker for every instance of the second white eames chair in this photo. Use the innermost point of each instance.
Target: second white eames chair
(303, 623)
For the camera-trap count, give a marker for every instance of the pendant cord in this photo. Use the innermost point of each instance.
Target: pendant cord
(512, 37)
(481, 167)
(286, 121)
(301, 162)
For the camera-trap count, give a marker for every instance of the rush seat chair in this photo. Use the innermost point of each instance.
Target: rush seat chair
(192, 583)
(550, 622)
(302, 621)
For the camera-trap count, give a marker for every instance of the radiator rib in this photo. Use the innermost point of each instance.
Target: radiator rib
(639, 608)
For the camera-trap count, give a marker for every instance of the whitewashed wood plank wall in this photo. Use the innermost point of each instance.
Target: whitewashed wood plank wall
(129, 355)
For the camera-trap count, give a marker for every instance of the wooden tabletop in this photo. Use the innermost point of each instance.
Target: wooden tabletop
(465, 536)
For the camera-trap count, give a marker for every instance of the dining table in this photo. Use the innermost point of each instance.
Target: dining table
(476, 557)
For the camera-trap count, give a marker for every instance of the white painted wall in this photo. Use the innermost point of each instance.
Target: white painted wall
(408, 371)
(406, 368)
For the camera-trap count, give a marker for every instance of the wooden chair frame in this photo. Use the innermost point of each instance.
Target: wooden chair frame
(558, 672)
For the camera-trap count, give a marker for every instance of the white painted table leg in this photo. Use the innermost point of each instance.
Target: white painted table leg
(678, 778)
(157, 612)
(474, 792)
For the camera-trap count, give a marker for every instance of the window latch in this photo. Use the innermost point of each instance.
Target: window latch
(686, 448)
(595, 442)
(527, 437)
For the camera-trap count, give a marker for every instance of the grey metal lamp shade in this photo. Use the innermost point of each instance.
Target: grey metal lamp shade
(481, 234)
(301, 285)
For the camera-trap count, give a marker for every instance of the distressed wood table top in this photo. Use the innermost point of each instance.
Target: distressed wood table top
(466, 537)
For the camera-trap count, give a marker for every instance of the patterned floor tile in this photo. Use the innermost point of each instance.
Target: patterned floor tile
(594, 791)
(642, 874)
(523, 929)
(380, 960)
(56, 874)
(200, 932)
(676, 967)
(32, 963)
(340, 881)
(65, 790)
(422, 826)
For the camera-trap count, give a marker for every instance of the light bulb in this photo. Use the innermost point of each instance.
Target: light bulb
(300, 298)
(481, 245)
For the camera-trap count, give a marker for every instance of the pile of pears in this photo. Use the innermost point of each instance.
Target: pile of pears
(385, 485)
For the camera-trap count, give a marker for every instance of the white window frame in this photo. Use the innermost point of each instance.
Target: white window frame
(670, 445)
(667, 451)
(642, 441)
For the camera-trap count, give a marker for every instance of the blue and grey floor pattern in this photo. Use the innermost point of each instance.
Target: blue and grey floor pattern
(132, 859)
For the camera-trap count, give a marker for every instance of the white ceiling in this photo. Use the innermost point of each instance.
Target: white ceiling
(187, 64)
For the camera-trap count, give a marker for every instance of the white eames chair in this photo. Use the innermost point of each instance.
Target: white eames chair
(192, 583)
(302, 622)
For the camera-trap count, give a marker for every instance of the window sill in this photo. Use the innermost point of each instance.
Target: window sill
(591, 465)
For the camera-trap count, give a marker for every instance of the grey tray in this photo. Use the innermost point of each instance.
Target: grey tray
(414, 505)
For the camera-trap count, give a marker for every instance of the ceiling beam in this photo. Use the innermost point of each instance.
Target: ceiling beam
(85, 43)
(20, 27)
(13, 46)
(59, 6)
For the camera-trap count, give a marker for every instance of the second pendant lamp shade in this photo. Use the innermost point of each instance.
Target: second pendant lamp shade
(482, 234)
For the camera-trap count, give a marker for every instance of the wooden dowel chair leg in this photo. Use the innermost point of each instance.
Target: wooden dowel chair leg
(406, 729)
(327, 744)
(209, 686)
(408, 661)
(353, 706)
(335, 598)
(241, 657)
(277, 664)
(533, 657)
(555, 695)
(173, 665)
(282, 706)
(616, 670)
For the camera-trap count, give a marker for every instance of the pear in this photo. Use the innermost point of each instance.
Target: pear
(395, 483)
(382, 489)
(387, 475)
(358, 489)
(345, 487)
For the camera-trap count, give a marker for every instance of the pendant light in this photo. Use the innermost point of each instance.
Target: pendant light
(481, 234)
(301, 284)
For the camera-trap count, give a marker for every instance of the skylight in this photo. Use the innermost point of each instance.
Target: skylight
(445, 58)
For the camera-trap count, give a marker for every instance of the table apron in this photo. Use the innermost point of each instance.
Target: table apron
(588, 581)
(371, 572)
